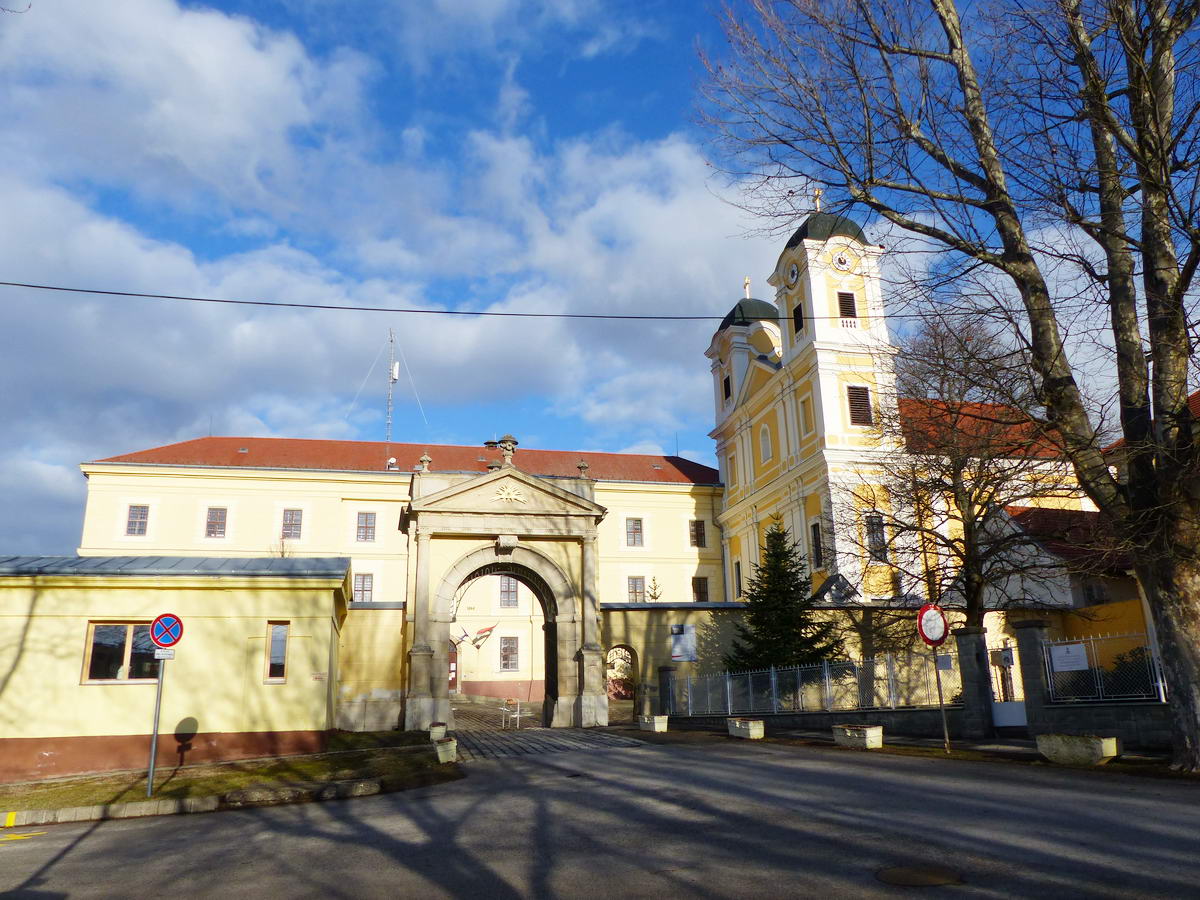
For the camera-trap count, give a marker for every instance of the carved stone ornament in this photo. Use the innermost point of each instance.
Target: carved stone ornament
(506, 493)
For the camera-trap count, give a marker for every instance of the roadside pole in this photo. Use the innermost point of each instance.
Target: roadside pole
(933, 629)
(165, 632)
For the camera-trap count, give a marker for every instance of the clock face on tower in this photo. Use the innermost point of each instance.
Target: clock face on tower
(793, 273)
(842, 261)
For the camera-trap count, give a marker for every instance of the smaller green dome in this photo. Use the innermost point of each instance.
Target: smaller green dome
(746, 311)
(822, 226)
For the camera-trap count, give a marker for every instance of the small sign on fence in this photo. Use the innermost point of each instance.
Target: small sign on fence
(945, 662)
(683, 643)
(1068, 657)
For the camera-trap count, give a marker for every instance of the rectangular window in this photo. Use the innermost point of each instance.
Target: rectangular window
(697, 535)
(816, 550)
(847, 308)
(508, 592)
(277, 641)
(725, 386)
(700, 590)
(737, 579)
(510, 660)
(366, 526)
(214, 522)
(138, 519)
(637, 589)
(633, 532)
(292, 523)
(806, 415)
(859, 398)
(364, 588)
(120, 652)
(876, 538)
(798, 317)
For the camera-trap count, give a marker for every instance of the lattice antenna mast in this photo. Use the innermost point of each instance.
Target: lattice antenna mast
(393, 377)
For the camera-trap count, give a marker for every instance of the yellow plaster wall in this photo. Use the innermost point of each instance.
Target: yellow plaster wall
(373, 648)
(649, 633)
(666, 512)
(218, 674)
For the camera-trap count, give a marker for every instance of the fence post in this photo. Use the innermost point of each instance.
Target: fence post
(893, 693)
(828, 684)
(1035, 666)
(1094, 663)
(689, 695)
(774, 693)
(728, 694)
(971, 643)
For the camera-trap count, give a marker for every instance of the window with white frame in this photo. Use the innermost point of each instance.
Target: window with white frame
(696, 534)
(277, 643)
(508, 592)
(858, 397)
(510, 659)
(636, 588)
(364, 587)
(876, 538)
(633, 533)
(293, 523)
(119, 651)
(816, 548)
(765, 448)
(137, 520)
(215, 521)
(365, 530)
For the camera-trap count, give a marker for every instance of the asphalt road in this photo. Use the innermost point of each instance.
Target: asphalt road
(726, 820)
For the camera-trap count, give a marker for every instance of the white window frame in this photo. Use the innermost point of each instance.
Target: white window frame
(516, 592)
(224, 523)
(516, 653)
(364, 586)
(641, 532)
(268, 678)
(284, 524)
(631, 593)
(766, 446)
(368, 528)
(129, 520)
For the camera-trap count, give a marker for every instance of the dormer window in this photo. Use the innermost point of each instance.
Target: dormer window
(847, 309)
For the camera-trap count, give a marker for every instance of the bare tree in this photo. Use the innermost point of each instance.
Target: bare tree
(1051, 145)
(958, 449)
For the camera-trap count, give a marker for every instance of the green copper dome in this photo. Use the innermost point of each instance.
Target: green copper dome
(750, 310)
(822, 226)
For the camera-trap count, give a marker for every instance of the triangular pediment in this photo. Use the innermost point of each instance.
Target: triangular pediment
(508, 491)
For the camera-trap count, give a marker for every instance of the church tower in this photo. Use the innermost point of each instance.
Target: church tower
(797, 386)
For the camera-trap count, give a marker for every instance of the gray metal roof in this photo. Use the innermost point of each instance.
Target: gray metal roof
(274, 566)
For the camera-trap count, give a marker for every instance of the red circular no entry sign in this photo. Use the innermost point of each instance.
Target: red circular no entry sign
(166, 630)
(931, 624)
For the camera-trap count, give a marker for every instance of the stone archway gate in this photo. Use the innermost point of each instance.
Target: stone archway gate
(512, 522)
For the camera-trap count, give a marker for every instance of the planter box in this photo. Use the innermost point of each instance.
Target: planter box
(652, 723)
(437, 731)
(447, 750)
(1078, 749)
(858, 737)
(751, 729)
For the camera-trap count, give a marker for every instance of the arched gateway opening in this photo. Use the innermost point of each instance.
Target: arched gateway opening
(514, 525)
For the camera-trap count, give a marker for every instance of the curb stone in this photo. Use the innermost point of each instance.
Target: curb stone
(245, 798)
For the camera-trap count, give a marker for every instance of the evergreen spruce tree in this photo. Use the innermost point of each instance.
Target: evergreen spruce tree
(781, 628)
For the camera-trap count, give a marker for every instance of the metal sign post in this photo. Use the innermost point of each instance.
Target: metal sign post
(932, 627)
(165, 631)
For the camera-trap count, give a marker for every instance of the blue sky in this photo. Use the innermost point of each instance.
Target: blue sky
(464, 154)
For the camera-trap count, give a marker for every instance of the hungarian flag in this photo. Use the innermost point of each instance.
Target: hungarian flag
(482, 635)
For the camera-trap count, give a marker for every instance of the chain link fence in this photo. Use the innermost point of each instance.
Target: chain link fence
(1103, 667)
(890, 681)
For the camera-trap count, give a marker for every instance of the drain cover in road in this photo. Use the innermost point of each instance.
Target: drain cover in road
(918, 875)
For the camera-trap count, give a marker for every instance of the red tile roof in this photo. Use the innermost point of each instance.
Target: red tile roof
(372, 456)
(1079, 537)
(999, 430)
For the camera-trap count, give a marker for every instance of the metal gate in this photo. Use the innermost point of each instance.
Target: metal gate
(1008, 691)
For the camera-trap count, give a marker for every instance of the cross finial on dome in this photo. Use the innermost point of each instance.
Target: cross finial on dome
(817, 192)
(746, 287)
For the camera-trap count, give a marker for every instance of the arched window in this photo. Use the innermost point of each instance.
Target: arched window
(764, 443)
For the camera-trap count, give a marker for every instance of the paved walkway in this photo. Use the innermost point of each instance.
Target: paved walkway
(477, 727)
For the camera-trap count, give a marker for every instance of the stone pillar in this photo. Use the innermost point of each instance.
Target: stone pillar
(1031, 635)
(593, 695)
(418, 711)
(666, 689)
(976, 681)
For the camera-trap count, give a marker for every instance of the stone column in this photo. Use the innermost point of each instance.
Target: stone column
(418, 712)
(976, 681)
(1031, 635)
(593, 697)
